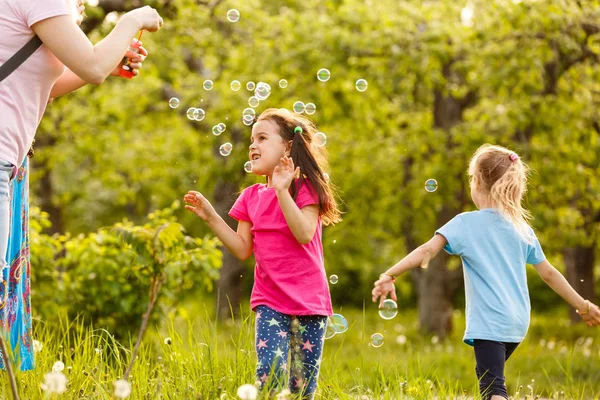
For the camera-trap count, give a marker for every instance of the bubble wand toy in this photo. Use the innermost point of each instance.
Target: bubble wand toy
(126, 70)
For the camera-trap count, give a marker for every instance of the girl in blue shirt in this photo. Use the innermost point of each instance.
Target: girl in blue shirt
(494, 243)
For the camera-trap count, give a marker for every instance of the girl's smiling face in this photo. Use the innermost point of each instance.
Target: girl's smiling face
(266, 147)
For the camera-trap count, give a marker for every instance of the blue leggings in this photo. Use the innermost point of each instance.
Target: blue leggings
(289, 348)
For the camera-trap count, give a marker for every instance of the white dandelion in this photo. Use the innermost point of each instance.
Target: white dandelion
(122, 388)
(58, 366)
(247, 392)
(54, 382)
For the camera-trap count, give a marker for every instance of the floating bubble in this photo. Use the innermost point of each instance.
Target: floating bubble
(323, 75)
(298, 107)
(431, 185)
(199, 114)
(235, 85)
(249, 111)
(208, 84)
(174, 102)
(320, 139)
(248, 166)
(191, 113)
(283, 83)
(262, 91)
(216, 130)
(333, 279)
(310, 108)
(389, 309)
(377, 340)
(339, 323)
(253, 101)
(222, 127)
(248, 119)
(362, 85)
(225, 149)
(250, 86)
(233, 15)
(329, 331)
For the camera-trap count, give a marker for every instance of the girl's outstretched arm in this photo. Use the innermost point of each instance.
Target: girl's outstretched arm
(420, 256)
(589, 312)
(239, 243)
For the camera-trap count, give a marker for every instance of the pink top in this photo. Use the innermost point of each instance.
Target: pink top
(24, 94)
(289, 277)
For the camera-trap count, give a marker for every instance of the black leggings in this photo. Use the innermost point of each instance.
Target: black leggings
(491, 357)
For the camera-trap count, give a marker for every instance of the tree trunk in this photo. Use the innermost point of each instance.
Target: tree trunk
(436, 284)
(580, 273)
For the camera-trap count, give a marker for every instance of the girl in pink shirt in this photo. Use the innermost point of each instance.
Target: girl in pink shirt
(280, 222)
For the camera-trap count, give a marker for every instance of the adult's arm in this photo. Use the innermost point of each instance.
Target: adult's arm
(94, 63)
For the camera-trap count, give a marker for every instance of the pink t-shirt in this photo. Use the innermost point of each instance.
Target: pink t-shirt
(289, 277)
(24, 94)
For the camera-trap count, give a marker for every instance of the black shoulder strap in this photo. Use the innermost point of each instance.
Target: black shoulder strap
(19, 58)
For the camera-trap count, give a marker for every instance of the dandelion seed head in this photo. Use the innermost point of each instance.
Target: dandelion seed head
(58, 366)
(54, 382)
(122, 388)
(247, 392)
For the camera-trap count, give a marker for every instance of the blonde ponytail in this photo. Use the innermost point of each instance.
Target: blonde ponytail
(503, 176)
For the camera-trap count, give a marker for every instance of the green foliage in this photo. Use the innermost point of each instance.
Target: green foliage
(105, 276)
(525, 74)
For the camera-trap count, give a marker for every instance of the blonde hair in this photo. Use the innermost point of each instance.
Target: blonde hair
(307, 155)
(502, 176)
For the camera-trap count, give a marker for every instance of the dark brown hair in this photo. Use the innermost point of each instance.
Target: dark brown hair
(311, 159)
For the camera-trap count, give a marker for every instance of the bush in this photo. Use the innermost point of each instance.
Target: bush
(105, 276)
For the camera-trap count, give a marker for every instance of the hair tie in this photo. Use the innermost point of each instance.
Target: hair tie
(297, 130)
(513, 157)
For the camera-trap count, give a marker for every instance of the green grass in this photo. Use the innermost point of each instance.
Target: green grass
(206, 360)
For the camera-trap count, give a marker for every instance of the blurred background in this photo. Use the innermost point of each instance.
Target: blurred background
(444, 77)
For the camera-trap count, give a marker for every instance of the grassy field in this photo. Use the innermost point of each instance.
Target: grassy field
(205, 360)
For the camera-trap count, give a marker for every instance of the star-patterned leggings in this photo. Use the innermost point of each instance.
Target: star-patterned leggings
(289, 348)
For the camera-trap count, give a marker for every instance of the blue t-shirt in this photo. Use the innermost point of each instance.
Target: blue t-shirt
(494, 257)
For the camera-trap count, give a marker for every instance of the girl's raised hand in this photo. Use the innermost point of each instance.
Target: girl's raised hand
(197, 203)
(284, 174)
(592, 317)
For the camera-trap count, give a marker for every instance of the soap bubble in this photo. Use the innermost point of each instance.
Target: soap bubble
(174, 102)
(191, 113)
(248, 166)
(323, 75)
(222, 127)
(225, 149)
(320, 139)
(216, 130)
(377, 340)
(283, 83)
(389, 309)
(362, 85)
(250, 86)
(431, 185)
(233, 15)
(339, 323)
(298, 107)
(310, 108)
(262, 91)
(333, 279)
(248, 119)
(199, 114)
(329, 331)
(253, 101)
(235, 85)
(249, 111)
(208, 84)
